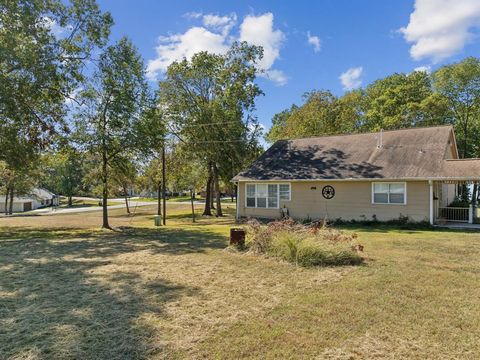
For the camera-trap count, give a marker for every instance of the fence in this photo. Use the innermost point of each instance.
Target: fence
(456, 214)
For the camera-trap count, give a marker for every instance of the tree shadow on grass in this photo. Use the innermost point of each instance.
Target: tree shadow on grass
(62, 295)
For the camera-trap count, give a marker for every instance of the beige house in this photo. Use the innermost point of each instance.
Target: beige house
(383, 176)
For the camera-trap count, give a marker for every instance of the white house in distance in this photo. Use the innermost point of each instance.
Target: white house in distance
(38, 198)
(383, 176)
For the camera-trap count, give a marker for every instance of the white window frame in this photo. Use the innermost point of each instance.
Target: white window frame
(278, 195)
(389, 183)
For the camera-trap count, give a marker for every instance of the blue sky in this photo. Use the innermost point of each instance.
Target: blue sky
(308, 44)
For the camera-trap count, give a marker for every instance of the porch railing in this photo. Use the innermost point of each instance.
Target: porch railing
(456, 214)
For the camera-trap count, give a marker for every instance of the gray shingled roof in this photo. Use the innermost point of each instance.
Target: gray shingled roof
(404, 154)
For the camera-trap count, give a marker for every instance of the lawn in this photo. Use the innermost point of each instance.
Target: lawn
(68, 291)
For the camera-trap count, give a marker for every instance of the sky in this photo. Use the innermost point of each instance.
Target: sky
(337, 45)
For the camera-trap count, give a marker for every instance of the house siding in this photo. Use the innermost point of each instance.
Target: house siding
(352, 201)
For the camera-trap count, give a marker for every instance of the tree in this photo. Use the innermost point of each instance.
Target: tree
(124, 174)
(112, 105)
(279, 123)
(321, 114)
(208, 101)
(401, 101)
(152, 130)
(459, 84)
(43, 48)
(64, 171)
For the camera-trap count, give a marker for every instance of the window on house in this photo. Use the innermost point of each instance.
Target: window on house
(266, 195)
(273, 196)
(284, 192)
(261, 195)
(251, 195)
(389, 193)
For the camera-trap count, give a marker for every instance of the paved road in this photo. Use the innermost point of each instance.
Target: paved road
(133, 202)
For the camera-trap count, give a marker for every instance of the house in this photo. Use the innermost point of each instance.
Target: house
(37, 198)
(384, 176)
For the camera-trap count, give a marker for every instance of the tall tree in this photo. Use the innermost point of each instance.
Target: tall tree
(112, 105)
(209, 101)
(459, 84)
(43, 48)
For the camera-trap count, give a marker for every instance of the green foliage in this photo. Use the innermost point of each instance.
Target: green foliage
(43, 47)
(451, 95)
(63, 171)
(459, 84)
(112, 106)
(209, 102)
(459, 202)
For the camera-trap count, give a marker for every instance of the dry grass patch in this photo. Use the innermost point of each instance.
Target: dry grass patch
(70, 291)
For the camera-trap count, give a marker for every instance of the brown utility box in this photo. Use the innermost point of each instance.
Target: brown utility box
(237, 237)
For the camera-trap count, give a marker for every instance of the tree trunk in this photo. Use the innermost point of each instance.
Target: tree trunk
(212, 192)
(164, 184)
(6, 200)
(126, 199)
(11, 200)
(192, 192)
(105, 224)
(217, 191)
(159, 199)
(208, 204)
(70, 201)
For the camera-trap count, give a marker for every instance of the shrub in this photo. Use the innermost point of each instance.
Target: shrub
(313, 245)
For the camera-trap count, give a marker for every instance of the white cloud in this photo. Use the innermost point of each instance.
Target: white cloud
(277, 76)
(424, 68)
(314, 41)
(439, 29)
(215, 21)
(176, 47)
(215, 36)
(258, 30)
(352, 78)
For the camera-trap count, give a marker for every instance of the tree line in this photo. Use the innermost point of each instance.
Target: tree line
(77, 113)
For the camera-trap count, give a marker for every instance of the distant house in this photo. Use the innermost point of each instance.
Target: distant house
(383, 176)
(37, 198)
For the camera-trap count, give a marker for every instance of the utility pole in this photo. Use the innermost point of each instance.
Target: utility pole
(163, 186)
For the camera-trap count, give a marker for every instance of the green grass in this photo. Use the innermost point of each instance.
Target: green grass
(69, 290)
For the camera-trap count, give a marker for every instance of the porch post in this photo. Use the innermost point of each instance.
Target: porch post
(470, 214)
(430, 185)
(237, 213)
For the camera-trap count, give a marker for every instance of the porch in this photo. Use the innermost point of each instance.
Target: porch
(446, 210)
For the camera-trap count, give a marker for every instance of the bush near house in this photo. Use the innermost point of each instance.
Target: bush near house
(304, 245)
